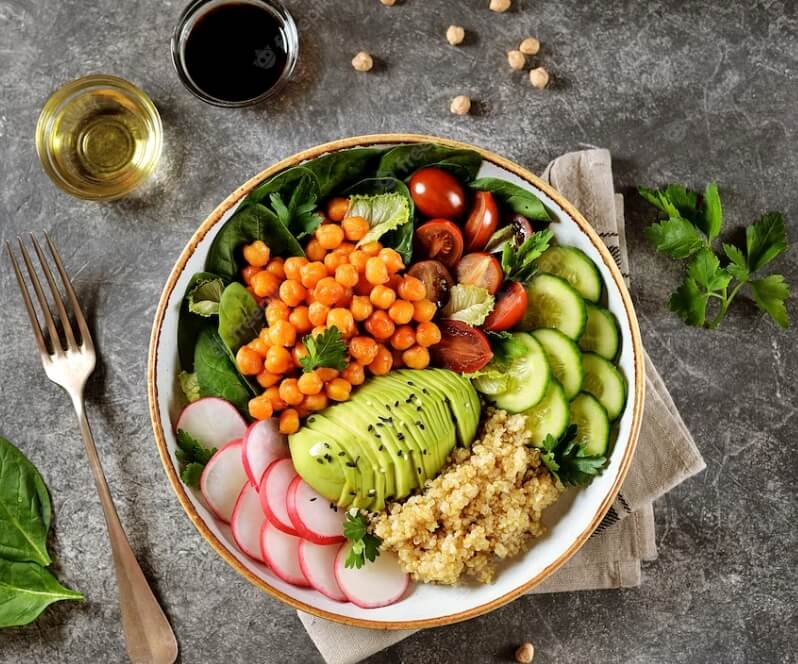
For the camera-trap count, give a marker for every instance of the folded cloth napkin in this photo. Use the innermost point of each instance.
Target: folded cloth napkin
(666, 453)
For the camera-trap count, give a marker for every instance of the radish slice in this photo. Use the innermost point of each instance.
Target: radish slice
(281, 552)
(214, 422)
(312, 515)
(375, 584)
(318, 565)
(222, 480)
(263, 444)
(273, 490)
(247, 522)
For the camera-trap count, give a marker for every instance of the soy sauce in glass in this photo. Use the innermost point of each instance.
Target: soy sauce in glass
(234, 53)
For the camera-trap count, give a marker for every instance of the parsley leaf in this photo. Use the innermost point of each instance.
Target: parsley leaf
(676, 237)
(327, 349)
(769, 294)
(568, 460)
(764, 240)
(193, 456)
(518, 262)
(712, 218)
(689, 303)
(365, 546)
(738, 268)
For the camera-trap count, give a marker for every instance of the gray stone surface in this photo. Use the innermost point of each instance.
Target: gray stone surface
(677, 90)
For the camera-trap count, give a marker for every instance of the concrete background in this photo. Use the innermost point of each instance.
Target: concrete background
(679, 91)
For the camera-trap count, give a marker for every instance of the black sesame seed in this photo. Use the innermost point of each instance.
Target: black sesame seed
(370, 427)
(399, 453)
(396, 404)
(353, 493)
(312, 499)
(418, 468)
(381, 447)
(319, 460)
(341, 453)
(328, 457)
(424, 452)
(400, 436)
(327, 445)
(424, 390)
(351, 465)
(411, 383)
(377, 436)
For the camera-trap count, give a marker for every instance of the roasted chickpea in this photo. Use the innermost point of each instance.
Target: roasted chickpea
(401, 312)
(278, 360)
(273, 395)
(376, 271)
(289, 392)
(336, 208)
(355, 228)
(359, 259)
(266, 379)
(363, 349)
(260, 346)
(315, 402)
(416, 357)
(338, 389)
(346, 275)
(282, 333)
(361, 307)
(328, 291)
(293, 265)
(276, 267)
(260, 408)
(427, 334)
(379, 325)
(257, 253)
(248, 272)
(300, 320)
(371, 248)
(423, 311)
(310, 383)
(412, 289)
(292, 292)
(317, 313)
(343, 320)
(326, 373)
(354, 373)
(382, 363)
(265, 284)
(329, 236)
(299, 351)
(289, 421)
(392, 259)
(403, 338)
(382, 297)
(248, 361)
(314, 251)
(310, 274)
(334, 259)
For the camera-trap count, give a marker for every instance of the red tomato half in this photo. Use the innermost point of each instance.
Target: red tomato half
(482, 222)
(462, 348)
(480, 269)
(437, 193)
(440, 239)
(436, 278)
(510, 307)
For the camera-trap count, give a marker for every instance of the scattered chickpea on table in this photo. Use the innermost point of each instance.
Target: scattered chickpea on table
(363, 62)
(525, 653)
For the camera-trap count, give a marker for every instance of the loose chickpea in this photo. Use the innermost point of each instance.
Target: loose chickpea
(315, 402)
(427, 334)
(359, 259)
(525, 653)
(423, 311)
(376, 271)
(388, 3)
(248, 272)
(362, 62)
(317, 313)
(276, 267)
(289, 421)
(343, 320)
(338, 389)
(328, 291)
(273, 395)
(412, 289)
(248, 361)
(278, 360)
(382, 362)
(293, 265)
(382, 297)
(265, 284)
(539, 78)
(346, 275)
(330, 236)
(282, 333)
(260, 346)
(363, 349)
(499, 6)
(260, 408)
(379, 325)
(298, 352)
(334, 260)
(292, 292)
(392, 259)
(455, 35)
(530, 46)
(310, 383)
(257, 253)
(336, 209)
(403, 338)
(354, 373)
(401, 312)
(371, 248)
(460, 105)
(516, 59)
(314, 251)
(326, 373)
(300, 319)
(266, 379)
(355, 228)
(361, 307)
(416, 357)
(310, 274)
(289, 392)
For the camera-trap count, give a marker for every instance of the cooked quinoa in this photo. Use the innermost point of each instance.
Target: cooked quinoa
(486, 505)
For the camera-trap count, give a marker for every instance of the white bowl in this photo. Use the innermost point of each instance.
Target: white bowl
(571, 521)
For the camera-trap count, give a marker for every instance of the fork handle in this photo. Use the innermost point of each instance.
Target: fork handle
(150, 639)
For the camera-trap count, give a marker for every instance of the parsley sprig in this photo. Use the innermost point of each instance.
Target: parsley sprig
(193, 456)
(365, 546)
(327, 349)
(518, 262)
(691, 227)
(568, 460)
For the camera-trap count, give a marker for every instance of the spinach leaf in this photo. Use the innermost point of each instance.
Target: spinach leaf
(27, 589)
(338, 170)
(253, 222)
(25, 511)
(403, 160)
(400, 238)
(190, 324)
(240, 317)
(292, 195)
(216, 374)
(203, 299)
(519, 200)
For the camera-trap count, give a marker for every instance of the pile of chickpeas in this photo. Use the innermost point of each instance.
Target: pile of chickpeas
(383, 315)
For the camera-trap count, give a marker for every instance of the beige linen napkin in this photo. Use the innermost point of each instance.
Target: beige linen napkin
(666, 453)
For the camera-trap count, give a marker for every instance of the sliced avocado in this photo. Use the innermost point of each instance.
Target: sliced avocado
(325, 475)
(461, 398)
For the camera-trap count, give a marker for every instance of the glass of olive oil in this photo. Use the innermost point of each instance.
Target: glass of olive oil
(99, 137)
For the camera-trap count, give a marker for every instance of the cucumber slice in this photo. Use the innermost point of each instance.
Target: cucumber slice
(592, 424)
(575, 267)
(565, 359)
(605, 382)
(529, 377)
(491, 384)
(549, 417)
(553, 303)
(602, 334)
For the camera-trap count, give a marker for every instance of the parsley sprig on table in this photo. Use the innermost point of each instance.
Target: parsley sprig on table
(568, 460)
(692, 226)
(327, 349)
(365, 546)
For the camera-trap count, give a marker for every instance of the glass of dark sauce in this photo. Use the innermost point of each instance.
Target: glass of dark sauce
(235, 53)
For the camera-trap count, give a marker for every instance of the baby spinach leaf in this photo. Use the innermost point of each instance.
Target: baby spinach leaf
(519, 200)
(203, 299)
(253, 222)
(240, 317)
(189, 324)
(216, 374)
(25, 511)
(338, 170)
(402, 161)
(27, 589)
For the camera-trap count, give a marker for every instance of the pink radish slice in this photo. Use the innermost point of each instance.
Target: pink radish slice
(375, 584)
(281, 552)
(247, 522)
(318, 565)
(263, 444)
(222, 480)
(273, 491)
(214, 422)
(312, 515)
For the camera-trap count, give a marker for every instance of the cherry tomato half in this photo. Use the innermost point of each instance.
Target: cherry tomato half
(522, 227)
(437, 193)
(462, 348)
(510, 307)
(480, 269)
(482, 222)
(436, 279)
(440, 239)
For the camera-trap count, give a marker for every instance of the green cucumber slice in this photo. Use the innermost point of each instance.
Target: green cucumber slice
(529, 377)
(549, 417)
(605, 382)
(575, 267)
(602, 334)
(565, 359)
(592, 424)
(553, 303)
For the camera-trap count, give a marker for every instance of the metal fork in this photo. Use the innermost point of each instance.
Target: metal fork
(149, 637)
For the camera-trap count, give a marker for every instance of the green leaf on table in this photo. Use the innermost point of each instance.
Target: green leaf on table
(769, 294)
(519, 200)
(711, 220)
(676, 237)
(689, 302)
(203, 299)
(707, 273)
(764, 240)
(240, 317)
(25, 510)
(384, 212)
(469, 304)
(738, 268)
(27, 589)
